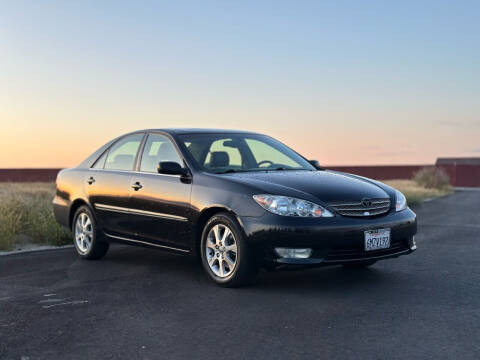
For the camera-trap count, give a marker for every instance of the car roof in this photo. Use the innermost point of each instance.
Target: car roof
(183, 131)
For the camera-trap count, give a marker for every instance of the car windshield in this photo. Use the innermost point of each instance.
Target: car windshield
(228, 153)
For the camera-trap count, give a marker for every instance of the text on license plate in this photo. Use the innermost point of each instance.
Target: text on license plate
(377, 239)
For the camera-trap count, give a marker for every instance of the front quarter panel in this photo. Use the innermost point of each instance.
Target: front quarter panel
(210, 191)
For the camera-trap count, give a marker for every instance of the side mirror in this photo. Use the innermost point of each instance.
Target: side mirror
(171, 168)
(316, 164)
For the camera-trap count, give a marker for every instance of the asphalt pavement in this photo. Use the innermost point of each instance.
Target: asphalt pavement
(139, 303)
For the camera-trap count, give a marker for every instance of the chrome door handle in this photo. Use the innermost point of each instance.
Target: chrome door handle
(137, 186)
(91, 180)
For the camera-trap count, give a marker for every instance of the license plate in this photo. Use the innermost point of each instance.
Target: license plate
(377, 239)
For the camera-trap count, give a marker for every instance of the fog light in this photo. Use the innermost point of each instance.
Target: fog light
(292, 253)
(414, 244)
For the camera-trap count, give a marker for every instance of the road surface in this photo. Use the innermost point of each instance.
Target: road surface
(143, 304)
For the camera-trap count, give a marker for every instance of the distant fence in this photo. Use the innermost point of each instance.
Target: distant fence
(28, 175)
(460, 175)
(463, 175)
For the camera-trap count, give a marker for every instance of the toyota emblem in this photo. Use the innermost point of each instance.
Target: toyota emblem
(366, 203)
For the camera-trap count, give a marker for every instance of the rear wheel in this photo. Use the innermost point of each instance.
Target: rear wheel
(225, 253)
(87, 240)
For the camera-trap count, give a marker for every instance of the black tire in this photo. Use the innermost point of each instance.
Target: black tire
(98, 248)
(359, 265)
(246, 267)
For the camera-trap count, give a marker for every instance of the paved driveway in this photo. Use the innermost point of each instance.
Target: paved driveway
(139, 303)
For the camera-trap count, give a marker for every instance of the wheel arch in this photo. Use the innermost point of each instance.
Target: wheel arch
(203, 218)
(73, 209)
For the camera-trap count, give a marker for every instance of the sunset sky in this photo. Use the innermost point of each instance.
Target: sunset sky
(344, 82)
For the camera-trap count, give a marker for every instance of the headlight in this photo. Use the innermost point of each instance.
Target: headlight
(401, 201)
(287, 206)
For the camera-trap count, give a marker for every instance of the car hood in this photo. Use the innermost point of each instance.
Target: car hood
(326, 186)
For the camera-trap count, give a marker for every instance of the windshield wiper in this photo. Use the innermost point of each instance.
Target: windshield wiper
(280, 168)
(229, 171)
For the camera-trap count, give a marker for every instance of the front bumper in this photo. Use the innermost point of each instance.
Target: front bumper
(337, 240)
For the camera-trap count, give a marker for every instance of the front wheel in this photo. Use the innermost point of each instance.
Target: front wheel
(225, 253)
(86, 238)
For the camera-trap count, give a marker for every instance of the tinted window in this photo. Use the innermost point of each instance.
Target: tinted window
(122, 154)
(266, 154)
(100, 163)
(221, 153)
(158, 148)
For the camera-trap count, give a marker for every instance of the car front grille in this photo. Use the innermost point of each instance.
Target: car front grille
(362, 208)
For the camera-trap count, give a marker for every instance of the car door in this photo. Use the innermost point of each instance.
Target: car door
(108, 185)
(160, 203)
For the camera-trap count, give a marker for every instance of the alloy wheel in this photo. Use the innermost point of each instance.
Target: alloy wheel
(221, 250)
(83, 233)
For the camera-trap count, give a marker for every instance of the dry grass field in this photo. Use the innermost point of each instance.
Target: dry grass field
(415, 193)
(26, 215)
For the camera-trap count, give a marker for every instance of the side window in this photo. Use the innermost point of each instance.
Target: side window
(122, 154)
(158, 148)
(100, 163)
(221, 155)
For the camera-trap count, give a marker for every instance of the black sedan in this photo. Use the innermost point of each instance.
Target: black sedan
(237, 200)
